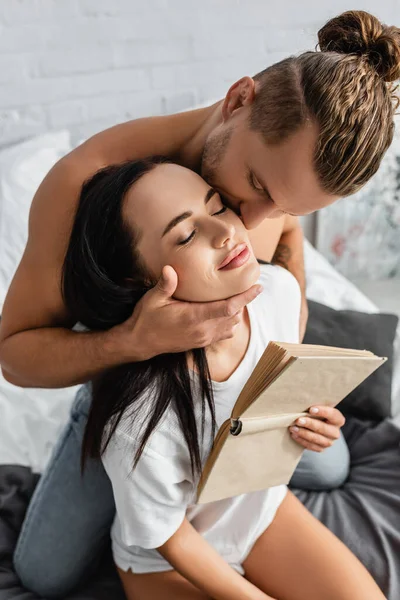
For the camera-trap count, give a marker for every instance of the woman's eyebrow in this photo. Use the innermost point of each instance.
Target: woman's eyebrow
(176, 220)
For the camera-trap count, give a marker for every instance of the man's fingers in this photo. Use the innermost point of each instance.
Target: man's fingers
(204, 322)
(230, 307)
(236, 303)
(222, 330)
(167, 283)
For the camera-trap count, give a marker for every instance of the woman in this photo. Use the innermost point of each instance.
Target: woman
(153, 423)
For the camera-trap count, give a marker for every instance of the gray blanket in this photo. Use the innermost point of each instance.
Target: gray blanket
(16, 487)
(364, 513)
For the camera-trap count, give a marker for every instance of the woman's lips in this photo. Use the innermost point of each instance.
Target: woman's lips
(240, 256)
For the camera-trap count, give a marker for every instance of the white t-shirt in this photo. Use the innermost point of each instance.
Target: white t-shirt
(152, 500)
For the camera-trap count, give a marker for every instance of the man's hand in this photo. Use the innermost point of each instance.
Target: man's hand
(303, 318)
(162, 324)
(315, 434)
(54, 356)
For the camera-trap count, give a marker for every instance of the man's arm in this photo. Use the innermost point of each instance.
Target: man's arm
(37, 346)
(54, 356)
(290, 255)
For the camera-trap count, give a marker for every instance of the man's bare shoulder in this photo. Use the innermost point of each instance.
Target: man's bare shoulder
(55, 201)
(139, 138)
(131, 140)
(53, 208)
(71, 171)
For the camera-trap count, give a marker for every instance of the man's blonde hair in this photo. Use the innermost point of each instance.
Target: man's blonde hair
(346, 88)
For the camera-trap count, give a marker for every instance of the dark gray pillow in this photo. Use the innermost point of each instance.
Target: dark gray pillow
(361, 331)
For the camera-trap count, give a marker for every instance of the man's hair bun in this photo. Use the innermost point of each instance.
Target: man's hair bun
(358, 32)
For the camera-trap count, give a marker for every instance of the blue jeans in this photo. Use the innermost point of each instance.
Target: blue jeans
(67, 525)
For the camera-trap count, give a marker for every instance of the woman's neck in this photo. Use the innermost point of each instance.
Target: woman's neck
(225, 356)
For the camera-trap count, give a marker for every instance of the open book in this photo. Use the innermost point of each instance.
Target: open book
(253, 450)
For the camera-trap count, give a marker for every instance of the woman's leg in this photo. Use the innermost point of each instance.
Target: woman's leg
(326, 470)
(298, 558)
(69, 517)
(168, 585)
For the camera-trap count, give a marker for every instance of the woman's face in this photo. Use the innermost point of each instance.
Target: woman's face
(180, 221)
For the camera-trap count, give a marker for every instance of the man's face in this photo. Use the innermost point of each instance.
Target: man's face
(261, 181)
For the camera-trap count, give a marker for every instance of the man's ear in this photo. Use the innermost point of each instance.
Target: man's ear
(241, 93)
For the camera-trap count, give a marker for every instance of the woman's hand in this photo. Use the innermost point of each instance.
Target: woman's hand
(315, 434)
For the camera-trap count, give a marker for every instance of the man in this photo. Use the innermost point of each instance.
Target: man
(265, 148)
(37, 346)
(294, 139)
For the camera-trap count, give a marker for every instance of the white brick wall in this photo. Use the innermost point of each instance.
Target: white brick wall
(88, 64)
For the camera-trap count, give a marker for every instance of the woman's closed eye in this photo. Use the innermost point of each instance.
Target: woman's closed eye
(191, 236)
(188, 239)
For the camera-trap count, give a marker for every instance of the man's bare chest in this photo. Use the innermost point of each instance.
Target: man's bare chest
(265, 238)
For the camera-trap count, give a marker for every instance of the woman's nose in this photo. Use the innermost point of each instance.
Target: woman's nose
(223, 233)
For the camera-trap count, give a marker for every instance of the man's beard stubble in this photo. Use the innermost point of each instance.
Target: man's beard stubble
(213, 153)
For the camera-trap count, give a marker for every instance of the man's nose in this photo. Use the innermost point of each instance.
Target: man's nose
(254, 213)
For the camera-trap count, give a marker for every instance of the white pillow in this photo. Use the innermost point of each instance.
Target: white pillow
(22, 168)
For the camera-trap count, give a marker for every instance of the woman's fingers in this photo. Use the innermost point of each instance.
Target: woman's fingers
(318, 427)
(316, 434)
(310, 439)
(332, 415)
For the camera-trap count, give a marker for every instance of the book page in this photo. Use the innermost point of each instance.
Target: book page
(311, 380)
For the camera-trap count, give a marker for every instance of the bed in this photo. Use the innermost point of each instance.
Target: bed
(364, 513)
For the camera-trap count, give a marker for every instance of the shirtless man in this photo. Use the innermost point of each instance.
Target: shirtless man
(285, 143)
(37, 346)
(282, 144)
